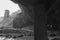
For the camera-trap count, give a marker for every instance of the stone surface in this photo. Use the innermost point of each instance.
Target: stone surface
(6, 15)
(23, 19)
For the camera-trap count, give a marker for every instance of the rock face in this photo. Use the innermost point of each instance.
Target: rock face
(27, 2)
(54, 16)
(23, 19)
(6, 15)
(40, 17)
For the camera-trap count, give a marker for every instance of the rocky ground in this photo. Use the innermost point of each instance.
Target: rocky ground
(23, 38)
(54, 35)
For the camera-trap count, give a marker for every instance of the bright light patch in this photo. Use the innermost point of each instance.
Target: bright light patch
(7, 4)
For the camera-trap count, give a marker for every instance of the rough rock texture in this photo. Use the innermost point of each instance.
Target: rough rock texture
(54, 15)
(28, 2)
(6, 15)
(23, 19)
(41, 18)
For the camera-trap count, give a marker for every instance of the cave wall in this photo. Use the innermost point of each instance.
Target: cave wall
(42, 8)
(23, 19)
(54, 15)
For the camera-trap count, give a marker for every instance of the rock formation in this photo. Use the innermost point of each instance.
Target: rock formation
(29, 8)
(6, 15)
(23, 19)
